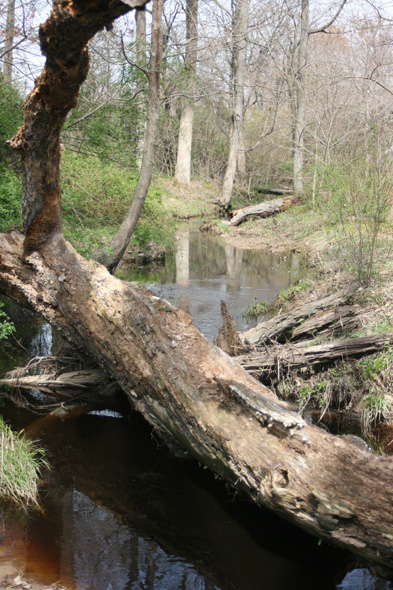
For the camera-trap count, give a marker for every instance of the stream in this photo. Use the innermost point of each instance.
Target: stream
(121, 513)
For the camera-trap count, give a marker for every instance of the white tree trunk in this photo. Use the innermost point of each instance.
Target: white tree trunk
(239, 29)
(299, 100)
(183, 163)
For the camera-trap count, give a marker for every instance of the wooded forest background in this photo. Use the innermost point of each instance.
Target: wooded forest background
(269, 95)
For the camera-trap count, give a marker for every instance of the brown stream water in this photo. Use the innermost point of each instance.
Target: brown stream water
(121, 513)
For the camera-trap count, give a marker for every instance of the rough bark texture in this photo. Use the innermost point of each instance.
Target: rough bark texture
(63, 39)
(322, 313)
(190, 391)
(261, 210)
(280, 357)
(198, 397)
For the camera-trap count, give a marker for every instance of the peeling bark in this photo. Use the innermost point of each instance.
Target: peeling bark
(191, 392)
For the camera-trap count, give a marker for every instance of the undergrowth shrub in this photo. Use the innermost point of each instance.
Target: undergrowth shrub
(356, 196)
(10, 198)
(96, 196)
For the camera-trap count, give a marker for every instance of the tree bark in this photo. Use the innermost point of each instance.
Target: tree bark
(200, 399)
(191, 392)
(278, 358)
(286, 326)
(140, 46)
(261, 210)
(9, 42)
(183, 162)
(239, 30)
(123, 235)
(299, 100)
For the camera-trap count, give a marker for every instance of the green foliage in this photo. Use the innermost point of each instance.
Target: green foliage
(356, 196)
(10, 198)
(11, 114)
(6, 326)
(96, 197)
(293, 290)
(257, 309)
(376, 408)
(10, 184)
(20, 467)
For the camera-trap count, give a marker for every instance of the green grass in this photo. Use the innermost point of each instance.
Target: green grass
(257, 309)
(20, 467)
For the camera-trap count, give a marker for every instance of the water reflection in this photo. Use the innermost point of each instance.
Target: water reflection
(205, 270)
(103, 553)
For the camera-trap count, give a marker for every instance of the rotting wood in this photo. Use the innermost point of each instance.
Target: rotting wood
(190, 391)
(262, 210)
(228, 339)
(330, 313)
(294, 356)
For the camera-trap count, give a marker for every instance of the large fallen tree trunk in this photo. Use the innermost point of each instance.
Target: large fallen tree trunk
(190, 391)
(199, 398)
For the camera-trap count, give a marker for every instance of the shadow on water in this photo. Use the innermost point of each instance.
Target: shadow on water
(121, 513)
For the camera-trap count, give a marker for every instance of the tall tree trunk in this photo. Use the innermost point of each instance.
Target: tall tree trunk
(299, 100)
(299, 91)
(239, 30)
(192, 393)
(9, 41)
(140, 46)
(183, 162)
(123, 235)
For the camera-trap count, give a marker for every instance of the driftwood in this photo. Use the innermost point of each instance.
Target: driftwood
(192, 393)
(331, 314)
(276, 358)
(261, 210)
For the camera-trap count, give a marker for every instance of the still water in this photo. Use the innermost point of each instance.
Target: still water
(121, 513)
(205, 271)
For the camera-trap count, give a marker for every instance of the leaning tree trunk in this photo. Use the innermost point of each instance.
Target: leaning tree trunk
(123, 235)
(195, 395)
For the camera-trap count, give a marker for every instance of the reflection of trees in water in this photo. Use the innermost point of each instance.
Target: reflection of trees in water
(209, 258)
(99, 552)
(183, 258)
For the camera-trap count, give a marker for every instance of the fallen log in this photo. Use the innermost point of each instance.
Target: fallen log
(279, 357)
(197, 397)
(330, 313)
(265, 209)
(192, 393)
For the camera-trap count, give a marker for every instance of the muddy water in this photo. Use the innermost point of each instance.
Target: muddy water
(120, 513)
